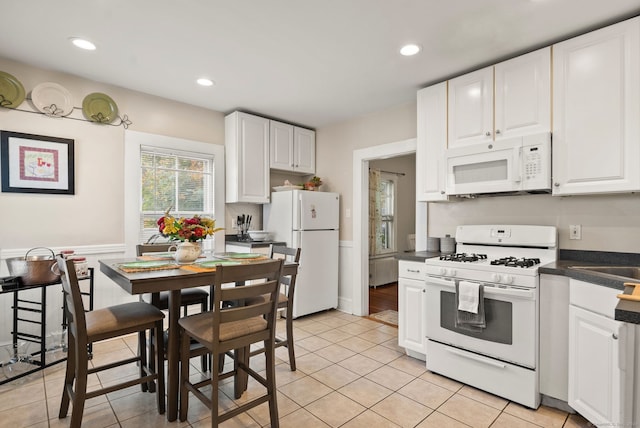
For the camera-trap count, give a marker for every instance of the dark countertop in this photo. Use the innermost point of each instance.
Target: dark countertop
(627, 311)
(233, 240)
(416, 256)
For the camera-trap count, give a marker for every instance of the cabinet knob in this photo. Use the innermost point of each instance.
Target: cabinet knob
(615, 336)
(497, 131)
(488, 134)
(556, 184)
(442, 192)
(424, 291)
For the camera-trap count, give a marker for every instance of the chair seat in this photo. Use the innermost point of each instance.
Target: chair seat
(120, 319)
(189, 296)
(200, 325)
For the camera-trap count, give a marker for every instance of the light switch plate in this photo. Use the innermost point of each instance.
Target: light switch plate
(575, 231)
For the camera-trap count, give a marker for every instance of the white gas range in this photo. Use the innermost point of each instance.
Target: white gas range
(501, 355)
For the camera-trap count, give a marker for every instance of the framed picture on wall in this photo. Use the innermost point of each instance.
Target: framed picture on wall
(36, 163)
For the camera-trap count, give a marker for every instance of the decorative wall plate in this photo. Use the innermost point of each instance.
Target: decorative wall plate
(99, 107)
(11, 91)
(52, 99)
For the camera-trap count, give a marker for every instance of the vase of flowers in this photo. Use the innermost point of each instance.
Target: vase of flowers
(189, 231)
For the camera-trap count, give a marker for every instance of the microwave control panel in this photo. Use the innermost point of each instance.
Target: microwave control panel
(535, 164)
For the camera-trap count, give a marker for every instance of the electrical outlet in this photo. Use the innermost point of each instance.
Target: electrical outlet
(575, 231)
(234, 223)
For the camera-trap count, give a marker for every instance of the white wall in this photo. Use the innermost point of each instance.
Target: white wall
(92, 220)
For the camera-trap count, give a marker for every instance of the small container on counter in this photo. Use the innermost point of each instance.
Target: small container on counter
(448, 245)
(81, 266)
(433, 244)
(67, 253)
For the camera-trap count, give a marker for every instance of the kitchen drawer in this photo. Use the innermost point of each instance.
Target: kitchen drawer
(411, 270)
(593, 297)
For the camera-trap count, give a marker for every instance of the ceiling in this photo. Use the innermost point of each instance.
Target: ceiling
(310, 62)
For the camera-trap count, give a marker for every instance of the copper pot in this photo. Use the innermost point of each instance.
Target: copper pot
(34, 269)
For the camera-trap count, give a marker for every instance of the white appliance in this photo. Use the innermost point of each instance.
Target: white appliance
(502, 356)
(309, 221)
(521, 164)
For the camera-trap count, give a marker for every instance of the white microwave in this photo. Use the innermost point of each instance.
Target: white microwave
(521, 164)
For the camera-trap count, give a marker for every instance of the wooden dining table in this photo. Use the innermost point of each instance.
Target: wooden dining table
(172, 280)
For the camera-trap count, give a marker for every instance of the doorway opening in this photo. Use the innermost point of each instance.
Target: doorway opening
(361, 164)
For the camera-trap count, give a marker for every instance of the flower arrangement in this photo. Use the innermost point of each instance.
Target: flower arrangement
(313, 183)
(187, 229)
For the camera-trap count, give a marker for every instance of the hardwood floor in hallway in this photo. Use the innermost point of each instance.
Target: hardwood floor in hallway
(383, 297)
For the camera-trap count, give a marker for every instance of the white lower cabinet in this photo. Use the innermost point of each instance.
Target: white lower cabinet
(412, 301)
(601, 357)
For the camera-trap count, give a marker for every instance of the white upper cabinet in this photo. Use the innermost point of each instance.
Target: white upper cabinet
(510, 99)
(596, 106)
(471, 108)
(431, 143)
(246, 158)
(292, 148)
(523, 95)
(304, 150)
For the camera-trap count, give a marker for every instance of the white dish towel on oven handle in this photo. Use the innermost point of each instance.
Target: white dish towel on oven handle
(468, 296)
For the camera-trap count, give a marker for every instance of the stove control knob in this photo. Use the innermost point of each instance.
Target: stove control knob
(495, 277)
(453, 272)
(443, 271)
(508, 279)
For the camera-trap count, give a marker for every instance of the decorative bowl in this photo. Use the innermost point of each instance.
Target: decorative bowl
(259, 235)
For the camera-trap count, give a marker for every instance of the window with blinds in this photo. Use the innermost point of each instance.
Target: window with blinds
(176, 180)
(387, 198)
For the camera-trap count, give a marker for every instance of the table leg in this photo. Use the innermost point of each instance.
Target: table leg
(173, 356)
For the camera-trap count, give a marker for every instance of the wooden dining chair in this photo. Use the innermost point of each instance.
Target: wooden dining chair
(285, 301)
(97, 325)
(188, 296)
(234, 328)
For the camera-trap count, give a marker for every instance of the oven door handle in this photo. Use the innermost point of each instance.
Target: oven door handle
(528, 294)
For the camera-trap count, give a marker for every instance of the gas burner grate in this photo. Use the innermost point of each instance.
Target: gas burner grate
(463, 257)
(516, 262)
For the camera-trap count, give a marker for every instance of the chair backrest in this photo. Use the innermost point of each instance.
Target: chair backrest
(268, 271)
(77, 324)
(152, 248)
(292, 255)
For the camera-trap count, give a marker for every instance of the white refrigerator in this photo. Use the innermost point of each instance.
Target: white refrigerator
(310, 221)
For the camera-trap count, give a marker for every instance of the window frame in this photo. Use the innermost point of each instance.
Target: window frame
(134, 140)
(394, 221)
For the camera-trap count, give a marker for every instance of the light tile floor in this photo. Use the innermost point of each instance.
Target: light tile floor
(351, 373)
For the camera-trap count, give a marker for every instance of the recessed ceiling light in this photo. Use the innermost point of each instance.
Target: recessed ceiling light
(83, 44)
(410, 49)
(203, 81)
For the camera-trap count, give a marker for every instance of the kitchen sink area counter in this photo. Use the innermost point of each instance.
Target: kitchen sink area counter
(416, 256)
(607, 269)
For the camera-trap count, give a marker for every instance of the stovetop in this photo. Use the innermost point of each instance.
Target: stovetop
(504, 255)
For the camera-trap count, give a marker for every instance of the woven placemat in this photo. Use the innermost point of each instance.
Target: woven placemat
(148, 269)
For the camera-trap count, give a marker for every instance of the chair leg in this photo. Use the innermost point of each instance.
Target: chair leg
(142, 355)
(185, 342)
(69, 377)
(269, 346)
(204, 360)
(289, 324)
(153, 348)
(159, 358)
(82, 366)
(215, 377)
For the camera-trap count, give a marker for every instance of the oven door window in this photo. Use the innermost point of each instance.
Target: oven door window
(498, 316)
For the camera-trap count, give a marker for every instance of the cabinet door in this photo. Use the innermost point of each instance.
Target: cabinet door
(471, 108)
(247, 158)
(281, 146)
(431, 143)
(411, 319)
(304, 150)
(596, 105)
(600, 371)
(523, 95)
